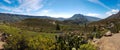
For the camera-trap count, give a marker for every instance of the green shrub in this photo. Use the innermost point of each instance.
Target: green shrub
(87, 47)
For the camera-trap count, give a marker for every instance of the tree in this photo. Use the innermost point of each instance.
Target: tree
(57, 27)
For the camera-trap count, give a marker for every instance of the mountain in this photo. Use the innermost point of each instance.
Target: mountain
(60, 19)
(81, 19)
(77, 18)
(113, 18)
(80, 16)
(91, 19)
(10, 17)
(6, 17)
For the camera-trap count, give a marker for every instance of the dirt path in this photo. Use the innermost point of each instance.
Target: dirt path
(1, 43)
(110, 43)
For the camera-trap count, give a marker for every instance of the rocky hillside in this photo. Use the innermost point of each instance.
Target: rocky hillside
(115, 18)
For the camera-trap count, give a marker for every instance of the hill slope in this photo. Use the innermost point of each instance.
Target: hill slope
(115, 18)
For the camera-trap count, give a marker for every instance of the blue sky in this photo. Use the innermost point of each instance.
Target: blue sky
(61, 8)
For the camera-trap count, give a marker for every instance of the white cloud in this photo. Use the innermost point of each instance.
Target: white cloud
(20, 1)
(113, 11)
(8, 1)
(24, 6)
(49, 12)
(93, 14)
(100, 3)
(30, 5)
(5, 8)
(45, 11)
(60, 15)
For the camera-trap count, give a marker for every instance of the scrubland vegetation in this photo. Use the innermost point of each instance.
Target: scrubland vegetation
(55, 36)
(29, 40)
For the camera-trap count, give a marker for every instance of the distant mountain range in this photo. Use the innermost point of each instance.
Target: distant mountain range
(80, 16)
(5, 17)
(81, 19)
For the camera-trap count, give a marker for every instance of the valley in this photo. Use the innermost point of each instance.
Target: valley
(76, 32)
(59, 25)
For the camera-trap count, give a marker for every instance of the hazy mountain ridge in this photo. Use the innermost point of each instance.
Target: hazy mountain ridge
(14, 16)
(5, 17)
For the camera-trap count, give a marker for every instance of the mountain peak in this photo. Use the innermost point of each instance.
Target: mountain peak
(80, 16)
(77, 16)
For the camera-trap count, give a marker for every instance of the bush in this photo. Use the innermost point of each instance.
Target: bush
(27, 40)
(71, 41)
(87, 47)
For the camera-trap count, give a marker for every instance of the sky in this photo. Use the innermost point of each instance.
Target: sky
(61, 8)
